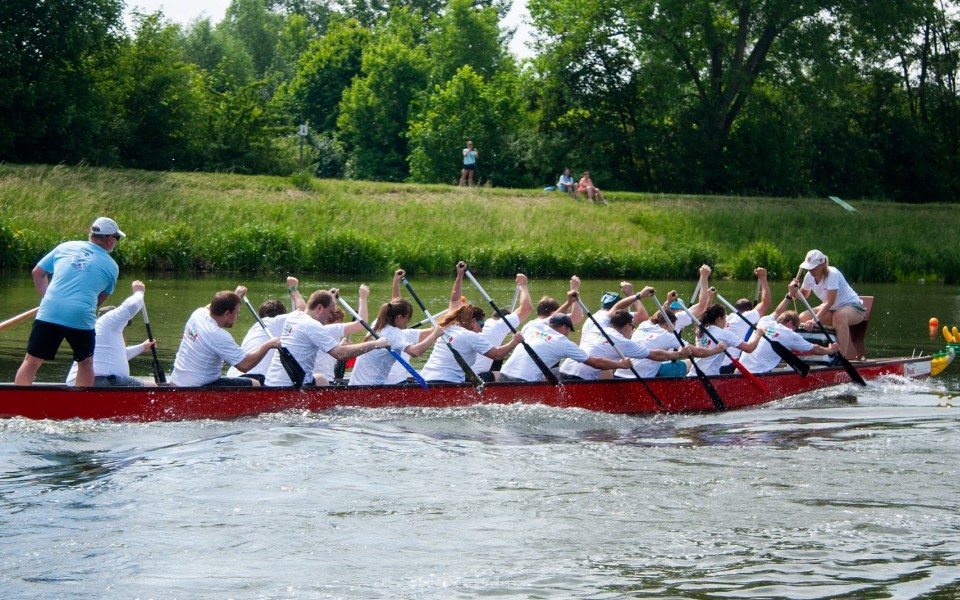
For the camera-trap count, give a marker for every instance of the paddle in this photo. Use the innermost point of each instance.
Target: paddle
(467, 370)
(158, 374)
(516, 296)
(711, 391)
(736, 363)
(693, 297)
(533, 355)
(756, 294)
(620, 352)
(396, 355)
(851, 370)
(424, 321)
(294, 371)
(788, 357)
(21, 317)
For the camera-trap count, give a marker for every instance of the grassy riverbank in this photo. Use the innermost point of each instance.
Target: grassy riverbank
(211, 222)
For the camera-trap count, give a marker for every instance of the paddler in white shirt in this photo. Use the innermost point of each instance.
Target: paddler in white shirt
(111, 354)
(206, 345)
(549, 341)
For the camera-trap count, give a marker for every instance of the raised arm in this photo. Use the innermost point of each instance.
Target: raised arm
(457, 292)
(356, 326)
(293, 286)
(395, 290)
(576, 312)
(765, 299)
(525, 303)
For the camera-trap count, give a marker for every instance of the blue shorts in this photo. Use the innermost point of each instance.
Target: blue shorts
(45, 340)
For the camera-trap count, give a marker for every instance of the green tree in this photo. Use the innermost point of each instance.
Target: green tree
(158, 99)
(719, 50)
(52, 58)
(257, 28)
(375, 108)
(323, 73)
(465, 35)
(217, 51)
(468, 108)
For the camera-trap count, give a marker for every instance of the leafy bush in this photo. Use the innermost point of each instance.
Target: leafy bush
(762, 254)
(254, 248)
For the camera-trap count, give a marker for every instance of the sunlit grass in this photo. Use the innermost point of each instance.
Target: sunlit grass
(225, 222)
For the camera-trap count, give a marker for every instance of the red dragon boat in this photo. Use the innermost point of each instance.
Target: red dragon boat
(660, 395)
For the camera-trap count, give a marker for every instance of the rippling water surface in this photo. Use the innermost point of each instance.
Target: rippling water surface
(850, 493)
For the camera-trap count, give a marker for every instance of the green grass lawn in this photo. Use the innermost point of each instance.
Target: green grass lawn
(199, 221)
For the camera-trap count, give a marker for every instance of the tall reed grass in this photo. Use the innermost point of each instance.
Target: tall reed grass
(217, 222)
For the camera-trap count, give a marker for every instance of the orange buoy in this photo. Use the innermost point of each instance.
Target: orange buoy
(934, 322)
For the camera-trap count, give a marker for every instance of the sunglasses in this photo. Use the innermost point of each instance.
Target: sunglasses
(481, 323)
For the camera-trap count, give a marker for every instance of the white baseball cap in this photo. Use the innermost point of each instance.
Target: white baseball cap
(815, 258)
(106, 226)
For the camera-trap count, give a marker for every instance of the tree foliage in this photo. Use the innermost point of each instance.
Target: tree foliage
(775, 97)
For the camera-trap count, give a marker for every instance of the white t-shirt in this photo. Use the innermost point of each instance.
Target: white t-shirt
(765, 358)
(548, 344)
(398, 374)
(257, 337)
(711, 364)
(834, 280)
(374, 367)
(653, 337)
(204, 348)
(111, 353)
(494, 331)
(596, 344)
(741, 329)
(325, 364)
(304, 337)
(442, 366)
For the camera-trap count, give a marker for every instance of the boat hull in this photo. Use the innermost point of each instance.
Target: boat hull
(611, 396)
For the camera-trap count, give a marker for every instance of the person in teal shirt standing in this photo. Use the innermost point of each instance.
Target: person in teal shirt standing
(470, 155)
(73, 280)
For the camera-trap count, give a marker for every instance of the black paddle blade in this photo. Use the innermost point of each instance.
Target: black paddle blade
(294, 371)
(851, 370)
(158, 375)
(795, 362)
(718, 402)
(472, 377)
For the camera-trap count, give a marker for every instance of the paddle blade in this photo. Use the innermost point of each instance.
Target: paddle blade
(795, 362)
(718, 402)
(753, 378)
(417, 376)
(851, 370)
(294, 371)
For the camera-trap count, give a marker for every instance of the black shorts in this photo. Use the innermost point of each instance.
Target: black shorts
(469, 167)
(45, 340)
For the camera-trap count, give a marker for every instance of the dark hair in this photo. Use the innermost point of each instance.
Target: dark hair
(743, 305)
(389, 311)
(547, 306)
(714, 313)
(620, 318)
(271, 308)
(224, 302)
(320, 298)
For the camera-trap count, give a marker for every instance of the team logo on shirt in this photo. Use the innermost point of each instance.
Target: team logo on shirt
(541, 335)
(192, 334)
(79, 263)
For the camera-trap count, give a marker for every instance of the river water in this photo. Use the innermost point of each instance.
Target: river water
(847, 493)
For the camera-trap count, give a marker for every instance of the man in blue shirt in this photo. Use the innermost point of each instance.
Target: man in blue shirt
(73, 280)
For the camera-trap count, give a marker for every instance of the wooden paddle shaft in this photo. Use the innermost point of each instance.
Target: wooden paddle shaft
(21, 317)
